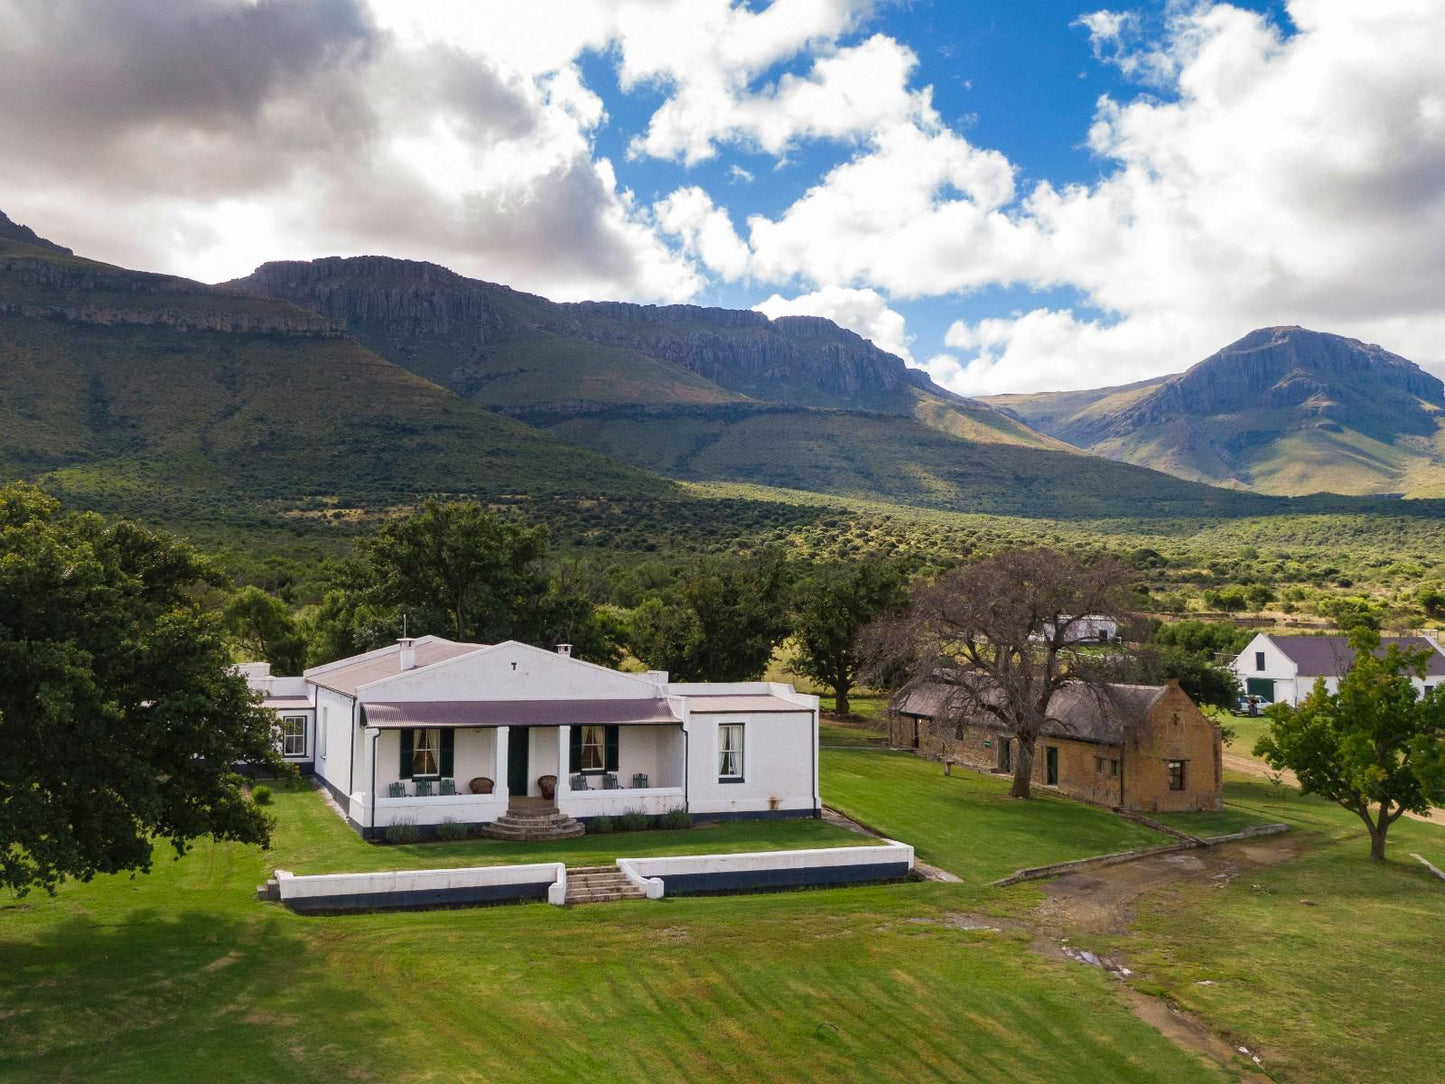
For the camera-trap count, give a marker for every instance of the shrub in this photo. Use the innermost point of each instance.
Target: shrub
(261, 795)
(599, 826)
(450, 830)
(675, 818)
(634, 820)
(402, 831)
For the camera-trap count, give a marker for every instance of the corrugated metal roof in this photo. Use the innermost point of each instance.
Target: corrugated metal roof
(283, 703)
(713, 704)
(1098, 713)
(347, 679)
(1331, 656)
(392, 715)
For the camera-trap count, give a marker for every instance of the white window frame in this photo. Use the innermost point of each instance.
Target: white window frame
(286, 721)
(426, 741)
(600, 745)
(732, 745)
(321, 728)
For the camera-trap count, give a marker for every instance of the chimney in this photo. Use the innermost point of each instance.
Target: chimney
(565, 650)
(407, 653)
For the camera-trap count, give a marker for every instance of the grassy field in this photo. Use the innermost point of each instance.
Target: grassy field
(158, 976)
(966, 823)
(1329, 964)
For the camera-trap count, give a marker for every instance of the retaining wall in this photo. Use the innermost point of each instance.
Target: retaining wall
(755, 870)
(402, 889)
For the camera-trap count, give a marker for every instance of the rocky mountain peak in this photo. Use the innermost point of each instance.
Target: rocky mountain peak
(14, 231)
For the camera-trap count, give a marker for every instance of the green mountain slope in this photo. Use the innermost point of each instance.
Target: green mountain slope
(1283, 410)
(124, 387)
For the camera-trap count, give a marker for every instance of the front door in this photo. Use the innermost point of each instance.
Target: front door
(517, 771)
(1051, 765)
(1260, 687)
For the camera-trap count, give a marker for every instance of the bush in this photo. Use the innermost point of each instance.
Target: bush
(261, 795)
(402, 831)
(600, 826)
(675, 818)
(450, 830)
(634, 820)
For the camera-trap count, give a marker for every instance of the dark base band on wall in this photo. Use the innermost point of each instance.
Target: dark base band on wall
(764, 880)
(420, 899)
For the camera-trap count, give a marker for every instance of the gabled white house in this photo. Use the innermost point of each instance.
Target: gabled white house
(1283, 669)
(429, 730)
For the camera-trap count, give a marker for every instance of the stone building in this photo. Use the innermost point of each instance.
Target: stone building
(1145, 748)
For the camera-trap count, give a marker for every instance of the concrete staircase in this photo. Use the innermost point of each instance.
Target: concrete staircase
(533, 822)
(600, 884)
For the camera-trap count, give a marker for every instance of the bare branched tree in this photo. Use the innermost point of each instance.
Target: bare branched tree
(997, 638)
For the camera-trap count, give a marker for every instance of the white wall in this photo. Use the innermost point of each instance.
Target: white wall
(472, 753)
(333, 739)
(779, 763)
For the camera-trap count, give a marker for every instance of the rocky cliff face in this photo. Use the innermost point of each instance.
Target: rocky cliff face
(403, 309)
(1306, 376)
(83, 291)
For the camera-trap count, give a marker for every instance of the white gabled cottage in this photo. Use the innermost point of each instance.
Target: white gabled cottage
(429, 730)
(1284, 669)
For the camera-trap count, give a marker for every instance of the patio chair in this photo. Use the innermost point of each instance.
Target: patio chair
(423, 788)
(639, 780)
(449, 786)
(609, 782)
(578, 782)
(481, 785)
(396, 790)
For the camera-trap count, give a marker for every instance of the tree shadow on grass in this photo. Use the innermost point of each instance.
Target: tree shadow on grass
(194, 995)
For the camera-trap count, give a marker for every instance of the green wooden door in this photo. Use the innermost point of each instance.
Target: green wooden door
(517, 761)
(1261, 687)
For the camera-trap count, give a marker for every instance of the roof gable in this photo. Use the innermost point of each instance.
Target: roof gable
(510, 671)
(350, 674)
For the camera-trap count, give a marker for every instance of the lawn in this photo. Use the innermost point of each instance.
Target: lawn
(314, 839)
(966, 823)
(181, 972)
(1232, 818)
(1330, 963)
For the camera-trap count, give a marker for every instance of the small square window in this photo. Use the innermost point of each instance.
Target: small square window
(1176, 774)
(293, 736)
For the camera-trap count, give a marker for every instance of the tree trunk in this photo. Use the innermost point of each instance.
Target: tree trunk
(840, 700)
(1377, 830)
(1023, 769)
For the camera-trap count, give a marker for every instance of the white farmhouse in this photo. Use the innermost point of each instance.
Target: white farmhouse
(1283, 669)
(523, 741)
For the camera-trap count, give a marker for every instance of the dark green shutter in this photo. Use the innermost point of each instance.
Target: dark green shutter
(611, 754)
(449, 745)
(406, 754)
(576, 750)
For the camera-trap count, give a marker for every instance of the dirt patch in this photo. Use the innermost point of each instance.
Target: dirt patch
(225, 961)
(1103, 901)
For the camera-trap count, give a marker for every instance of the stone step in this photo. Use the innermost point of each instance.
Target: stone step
(608, 896)
(499, 829)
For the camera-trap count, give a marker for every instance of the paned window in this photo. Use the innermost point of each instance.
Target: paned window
(293, 735)
(426, 748)
(1176, 774)
(730, 751)
(1113, 767)
(1099, 765)
(1259, 660)
(594, 748)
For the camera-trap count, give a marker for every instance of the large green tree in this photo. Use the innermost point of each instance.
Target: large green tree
(831, 608)
(723, 624)
(264, 628)
(1374, 745)
(121, 719)
(461, 570)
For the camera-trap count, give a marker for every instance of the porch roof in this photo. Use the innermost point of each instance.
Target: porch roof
(388, 715)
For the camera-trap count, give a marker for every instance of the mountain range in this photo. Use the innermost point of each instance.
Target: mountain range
(373, 380)
(1283, 410)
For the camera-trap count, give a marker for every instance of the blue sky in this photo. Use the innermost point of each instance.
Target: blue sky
(1012, 195)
